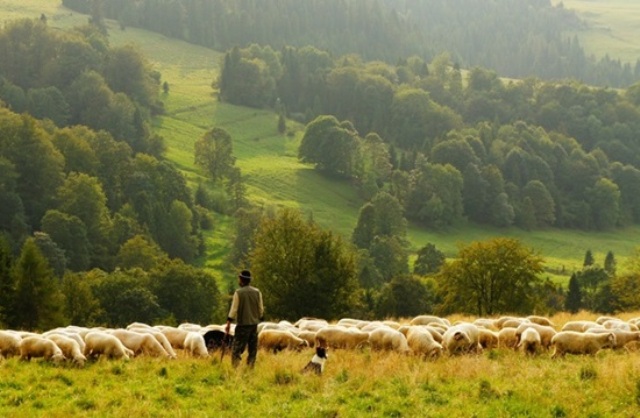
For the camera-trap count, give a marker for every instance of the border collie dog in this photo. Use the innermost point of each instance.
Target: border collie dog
(316, 364)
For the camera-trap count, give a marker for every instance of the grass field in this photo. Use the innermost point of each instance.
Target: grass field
(272, 173)
(496, 383)
(612, 27)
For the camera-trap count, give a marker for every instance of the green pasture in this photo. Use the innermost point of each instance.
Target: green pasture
(273, 175)
(612, 27)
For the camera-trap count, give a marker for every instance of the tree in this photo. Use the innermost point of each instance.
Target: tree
(7, 288)
(303, 270)
(405, 296)
(573, 302)
(604, 199)
(124, 297)
(52, 253)
(490, 277)
(389, 256)
(70, 233)
(429, 260)
(38, 301)
(139, 252)
(185, 293)
(214, 153)
(588, 259)
(331, 145)
(610, 263)
(80, 306)
(543, 204)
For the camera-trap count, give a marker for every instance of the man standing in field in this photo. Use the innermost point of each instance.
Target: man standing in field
(247, 310)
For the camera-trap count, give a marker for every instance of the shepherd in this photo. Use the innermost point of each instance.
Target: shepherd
(247, 310)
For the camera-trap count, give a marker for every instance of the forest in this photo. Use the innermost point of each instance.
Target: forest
(531, 40)
(96, 220)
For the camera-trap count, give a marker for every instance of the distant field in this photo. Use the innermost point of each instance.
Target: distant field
(273, 175)
(613, 27)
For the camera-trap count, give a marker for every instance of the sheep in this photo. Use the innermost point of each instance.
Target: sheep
(499, 323)
(309, 337)
(278, 340)
(69, 346)
(461, 338)
(187, 326)
(195, 345)
(428, 319)
(69, 334)
(336, 336)
(540, 320)
(530, 341)
(140, 343)
(507, 338)
(101, 343)
(40, 347)
(160, 337)
(623, 337)
(486, 323)
(175, 336)
(9, 343)
(581, 343)
(619, 324)
(386, 338)
(514, 323)
(487, 338)
(421, 342)
(579, 326)
(350, 322)
(138, 325)
(311, 324)
(546, 333)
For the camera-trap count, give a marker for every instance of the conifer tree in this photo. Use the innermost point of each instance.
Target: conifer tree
(38, 300)
(610, 263)
(573, 302)
(588, 259)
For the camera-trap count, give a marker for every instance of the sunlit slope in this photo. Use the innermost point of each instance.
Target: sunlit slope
(612, 27)
(272, 173)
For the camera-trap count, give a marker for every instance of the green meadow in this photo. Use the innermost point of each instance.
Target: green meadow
(273, 175)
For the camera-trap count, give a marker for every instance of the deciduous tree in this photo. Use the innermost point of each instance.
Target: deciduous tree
(490, 277)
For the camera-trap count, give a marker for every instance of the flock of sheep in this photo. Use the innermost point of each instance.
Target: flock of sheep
(425, 335)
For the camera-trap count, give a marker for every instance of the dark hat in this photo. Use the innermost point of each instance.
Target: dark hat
(245, 275)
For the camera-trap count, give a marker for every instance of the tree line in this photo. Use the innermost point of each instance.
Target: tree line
(528, 153)
(513, 37)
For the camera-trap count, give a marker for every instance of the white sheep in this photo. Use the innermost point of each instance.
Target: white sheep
(140, 343)
(428, 319)
(336, 336)
(546, 333)
(100, 343)
(622, 337)
(530, 341)
(159, 336)
(9, 343)
(462, 338)
(421, 342)
(540, 320)
(579, 326)
(195, 345)
(70, 348)
(487, 338)
(389, 339)
(311, 324)
(175, 336)
(581, 343)
(34, 347)
(278, 340)
(507, 338)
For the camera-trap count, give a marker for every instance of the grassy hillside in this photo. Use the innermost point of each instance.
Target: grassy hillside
(268, 160)
(612, 27)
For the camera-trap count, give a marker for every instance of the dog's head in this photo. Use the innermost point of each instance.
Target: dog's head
(321, 352)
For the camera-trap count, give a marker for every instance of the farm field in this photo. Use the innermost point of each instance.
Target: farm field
(496, 383)
(271, 171)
